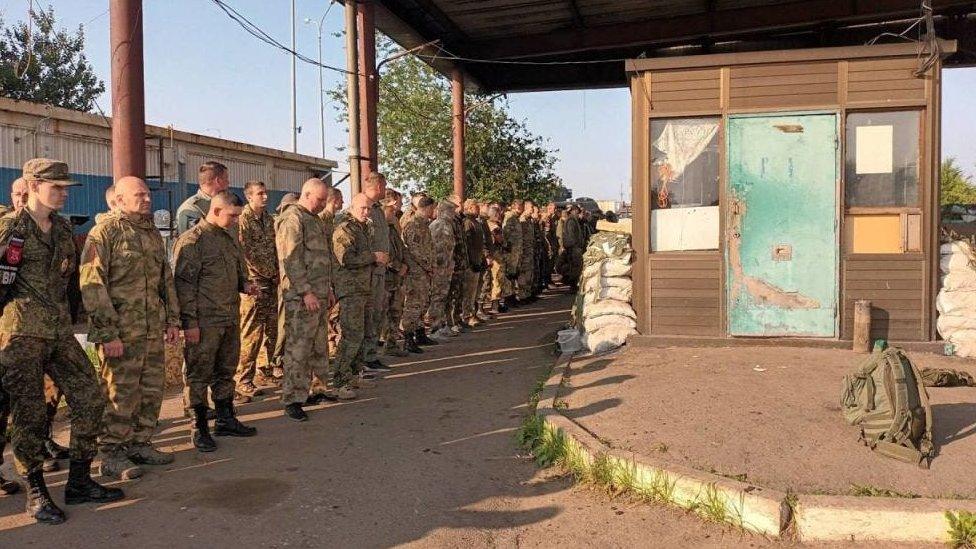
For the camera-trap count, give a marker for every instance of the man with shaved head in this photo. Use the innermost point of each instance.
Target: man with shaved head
(305, 263)
(127, 288)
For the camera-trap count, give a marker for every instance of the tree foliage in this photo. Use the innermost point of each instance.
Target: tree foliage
(45, 64)
(957, 187)
(504, 160)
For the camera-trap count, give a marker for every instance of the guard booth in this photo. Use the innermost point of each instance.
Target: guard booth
(773, 189)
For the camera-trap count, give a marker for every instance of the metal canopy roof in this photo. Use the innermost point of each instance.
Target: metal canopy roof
(589, 30)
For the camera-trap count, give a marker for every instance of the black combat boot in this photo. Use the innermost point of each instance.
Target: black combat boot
(82, 489)
(39, 504)
(410, 344)
(500, 306)
(422, 339)
(227, 425)
(201, 431)
(53, 450)
(9, 486)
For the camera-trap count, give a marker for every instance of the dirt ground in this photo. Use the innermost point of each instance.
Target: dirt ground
(766, 415)
(426, 459)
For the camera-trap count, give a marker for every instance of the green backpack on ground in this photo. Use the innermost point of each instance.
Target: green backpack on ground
(886, 398)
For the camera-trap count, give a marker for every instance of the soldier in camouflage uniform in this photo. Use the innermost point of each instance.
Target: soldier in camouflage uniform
(212, 178)
(374, 187)
(305, 262)
(259, 313)
(527, 257)
(395, 273)
(484, 284)
(442, 235)
(474, 240)
(36, 337)
(418, 254)
(496, 276)
(355, 260)
(571, 242)
(333, 205)
(210, 276)
(127, 287)
(512, 232)
(550, 221)
(455, 296)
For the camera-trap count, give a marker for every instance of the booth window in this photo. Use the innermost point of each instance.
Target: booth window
(882, 182)
(684, 184)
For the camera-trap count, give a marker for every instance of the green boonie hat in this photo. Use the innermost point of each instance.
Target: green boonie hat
(50, 171)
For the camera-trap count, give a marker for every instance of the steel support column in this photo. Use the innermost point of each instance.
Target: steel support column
(128, 94)
(457, 125)
(368, 86)
(352, 94)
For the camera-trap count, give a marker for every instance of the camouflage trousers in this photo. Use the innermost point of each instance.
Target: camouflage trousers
(210, 364)
(335, 331)
(455, 297)
(133, 388)
(440, 286)
(23, 362)
(259, 325)
(307, 352)
(526, 273)
(375, 313)
(570, 265)
(497, 280)
(469, 293)
(390, 330)
(353, 318)
(485, 285)
(52, 399)
(416, 299)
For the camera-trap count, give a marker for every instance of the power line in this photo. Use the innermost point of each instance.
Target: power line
(263, 36)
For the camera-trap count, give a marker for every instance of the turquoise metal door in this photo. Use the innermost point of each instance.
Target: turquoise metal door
(781, 253)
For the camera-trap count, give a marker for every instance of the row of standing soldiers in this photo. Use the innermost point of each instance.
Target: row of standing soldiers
(312, 282)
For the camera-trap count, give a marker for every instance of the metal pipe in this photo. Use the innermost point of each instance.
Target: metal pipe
(321, 91)
(352, 93)
(457, 126)
(294, 84)
(368, 86)
(128, 92)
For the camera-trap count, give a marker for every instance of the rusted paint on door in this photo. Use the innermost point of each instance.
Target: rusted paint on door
(781, 255)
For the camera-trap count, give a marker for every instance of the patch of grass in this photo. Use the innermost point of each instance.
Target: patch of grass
(869, 491)
(962, 529)
(660, 447)
(560, 405)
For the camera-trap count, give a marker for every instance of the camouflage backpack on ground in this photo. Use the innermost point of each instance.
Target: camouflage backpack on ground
(886, 398)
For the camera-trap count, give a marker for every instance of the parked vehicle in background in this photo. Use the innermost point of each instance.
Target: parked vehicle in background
(583, 202)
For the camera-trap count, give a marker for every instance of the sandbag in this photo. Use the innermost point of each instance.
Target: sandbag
(951, 323)
(953, 261)
(956, 302)
(599, 294)
(607, 307)
(616, 282)
(597, 323)
(607, 339)
(959, 279)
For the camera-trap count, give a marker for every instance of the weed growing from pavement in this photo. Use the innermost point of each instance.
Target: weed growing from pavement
(867, 490)
(962, 529)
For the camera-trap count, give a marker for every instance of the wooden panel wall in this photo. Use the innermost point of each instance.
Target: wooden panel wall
(894, 285)
(783, 85)
(686, 293)
(685, 90)
(884, 80)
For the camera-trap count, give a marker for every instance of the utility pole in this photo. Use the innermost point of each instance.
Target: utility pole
(128, 90)
(294, 89)
(458, 116)
(368, 86)
(352, 92)
(320, 23)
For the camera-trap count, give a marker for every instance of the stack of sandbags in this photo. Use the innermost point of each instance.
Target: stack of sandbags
(603, 307)
(956, 301)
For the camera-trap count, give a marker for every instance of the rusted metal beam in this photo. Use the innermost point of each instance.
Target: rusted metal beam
(352, 93)
(718, 24)
(128, 90)
(368, 86)
(457, 126)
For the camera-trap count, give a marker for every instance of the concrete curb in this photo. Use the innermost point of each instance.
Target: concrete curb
(757, 509)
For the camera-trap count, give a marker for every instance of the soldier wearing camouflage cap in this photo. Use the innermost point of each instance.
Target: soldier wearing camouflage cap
(36, 336)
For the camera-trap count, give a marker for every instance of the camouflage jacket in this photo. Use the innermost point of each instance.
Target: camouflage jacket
(257, 237)
(126, 282)
(37, 303)
(354, 257)
(442, 236)
(474, 240)
(418, 248)
(550, 224)
(489, 241)
(304, 254)
(191, 211)
(528, 238)
(209, 274)
(461, 261)
(512, 230)
(572, 233)
(397, 259)
(377, 231)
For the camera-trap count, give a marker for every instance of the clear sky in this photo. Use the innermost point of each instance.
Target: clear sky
(204, 74)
